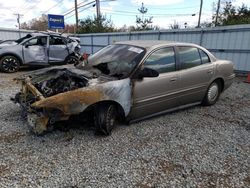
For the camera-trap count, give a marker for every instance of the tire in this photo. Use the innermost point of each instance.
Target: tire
(105, 119)
(71, 60)
(9, 64)
(213, 94)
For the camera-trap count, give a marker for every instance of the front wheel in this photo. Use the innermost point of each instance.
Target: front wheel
(212, 94)
(72, 60)
(9, 64)
(105, 118)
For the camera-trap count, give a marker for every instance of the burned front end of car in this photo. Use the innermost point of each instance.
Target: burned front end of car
(38, 88)
(55, 94)
(102, 86)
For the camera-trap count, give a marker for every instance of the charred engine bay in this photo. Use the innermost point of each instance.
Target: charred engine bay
(61, 81)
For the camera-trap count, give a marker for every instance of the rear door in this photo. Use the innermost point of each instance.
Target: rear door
(35, 50)
(196, 72)
(58, 49)
(152, 95)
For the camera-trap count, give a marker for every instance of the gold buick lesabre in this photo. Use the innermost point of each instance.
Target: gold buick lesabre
(126, 81)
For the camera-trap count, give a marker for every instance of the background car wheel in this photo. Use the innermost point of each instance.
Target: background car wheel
(9, 64)
(72, 60)
(105, 119)
(212, 94)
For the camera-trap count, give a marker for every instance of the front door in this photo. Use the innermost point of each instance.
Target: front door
(152, 95)
(58, 50)
(35, 50)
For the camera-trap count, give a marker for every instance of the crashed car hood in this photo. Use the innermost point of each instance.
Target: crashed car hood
(73, 101)
(55, 69)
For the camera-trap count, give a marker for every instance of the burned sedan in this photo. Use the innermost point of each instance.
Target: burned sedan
(38, 48)
(125, 81)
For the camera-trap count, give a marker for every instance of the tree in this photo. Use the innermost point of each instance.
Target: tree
(40, 24)
(231, 15)
(69, 28)
(206, 24)
(96, 25)
(126, 28)
(175, 25)
(142, 22)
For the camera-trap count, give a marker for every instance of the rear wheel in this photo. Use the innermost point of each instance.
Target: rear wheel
(9, 64)
(105, 118)
(212, 94)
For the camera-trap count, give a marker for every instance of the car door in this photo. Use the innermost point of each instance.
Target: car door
(196, 72)
(35, 50)
(152, 95)
(58, 49)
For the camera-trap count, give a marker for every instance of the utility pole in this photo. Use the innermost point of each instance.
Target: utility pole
(76, 13)
(217, 13)
(18, 19)
(98, 12)
(18, 22)
(199, 20)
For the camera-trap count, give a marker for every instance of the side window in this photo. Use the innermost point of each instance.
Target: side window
(37, 41)
(204, 57)
(189, 57)
(54, 40)
(162, 60)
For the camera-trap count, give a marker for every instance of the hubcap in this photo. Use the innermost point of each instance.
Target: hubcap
(10, 64)
(213, 92)
(72, 60)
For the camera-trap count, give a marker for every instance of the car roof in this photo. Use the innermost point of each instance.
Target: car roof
(41, 33)
(38, 34)
(153, 43)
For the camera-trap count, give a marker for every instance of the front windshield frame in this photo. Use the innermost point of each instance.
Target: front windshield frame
(21, 40)
(134, 53)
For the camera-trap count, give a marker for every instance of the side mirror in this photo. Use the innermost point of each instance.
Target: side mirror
(147, 72)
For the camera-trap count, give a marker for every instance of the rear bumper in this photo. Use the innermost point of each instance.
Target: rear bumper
(228, 81)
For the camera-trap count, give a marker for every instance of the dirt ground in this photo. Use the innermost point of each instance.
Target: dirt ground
(196, 147)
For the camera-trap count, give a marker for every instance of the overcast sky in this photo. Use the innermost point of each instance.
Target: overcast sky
(164, 12)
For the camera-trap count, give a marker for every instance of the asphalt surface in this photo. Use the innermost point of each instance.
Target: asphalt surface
(195, 147)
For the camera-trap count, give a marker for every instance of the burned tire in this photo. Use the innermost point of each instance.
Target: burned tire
(9, 64)
(213, 94)
(105, 118)
(72, 60)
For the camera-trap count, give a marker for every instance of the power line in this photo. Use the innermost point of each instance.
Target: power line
(31, 7)
(149, 14)
(78, 12)
(187, 7)
(52, 7)
(78, 7)
(25, 4)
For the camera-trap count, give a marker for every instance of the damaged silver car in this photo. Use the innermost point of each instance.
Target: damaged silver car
(38, 49)
(125, 81)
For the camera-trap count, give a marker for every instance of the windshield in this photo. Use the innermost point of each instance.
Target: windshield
(18, 41)
(117, 60)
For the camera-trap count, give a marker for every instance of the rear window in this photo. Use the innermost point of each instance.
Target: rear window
(204, 57)
(189, 57)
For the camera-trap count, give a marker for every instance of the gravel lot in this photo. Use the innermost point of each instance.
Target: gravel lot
(196, 147)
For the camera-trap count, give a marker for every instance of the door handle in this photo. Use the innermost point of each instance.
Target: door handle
(210, 71)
